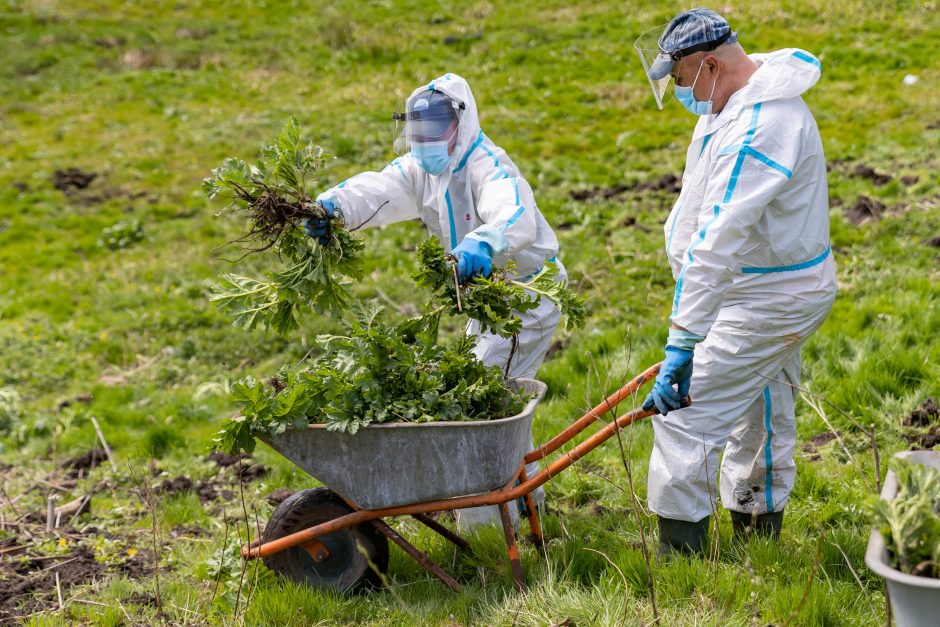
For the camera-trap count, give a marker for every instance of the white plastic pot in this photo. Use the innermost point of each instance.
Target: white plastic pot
(915, 601)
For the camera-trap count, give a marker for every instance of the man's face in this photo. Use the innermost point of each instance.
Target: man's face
(685, 70)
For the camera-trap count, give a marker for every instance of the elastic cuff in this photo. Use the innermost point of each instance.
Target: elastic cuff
(686, 340)
(497, 241)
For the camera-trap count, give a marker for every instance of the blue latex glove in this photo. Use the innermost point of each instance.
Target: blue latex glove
(319, 228)
(676, 370)
(473, 257)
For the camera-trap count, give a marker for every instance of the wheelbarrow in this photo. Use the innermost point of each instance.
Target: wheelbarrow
(335, 537)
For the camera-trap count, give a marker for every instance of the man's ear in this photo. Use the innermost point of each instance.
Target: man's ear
(711, 62)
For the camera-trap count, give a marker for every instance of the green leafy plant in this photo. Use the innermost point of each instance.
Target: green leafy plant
(11, 413)
(910, 522)
(374, 373)
(121, 235)
(273, 198)
(493, 300)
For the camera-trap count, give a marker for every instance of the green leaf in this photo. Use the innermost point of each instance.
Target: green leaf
(289, 139)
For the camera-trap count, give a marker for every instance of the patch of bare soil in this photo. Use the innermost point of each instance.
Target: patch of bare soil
(864, 210)
(70, 180)
(669, 183)
(923, 426)
(29, 585)
(175, 485)
(927, 414)
(869, 173)
(79, 465)
(816, 442)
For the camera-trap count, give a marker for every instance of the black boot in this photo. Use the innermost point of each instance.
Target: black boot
(681, 536)
(768, 524)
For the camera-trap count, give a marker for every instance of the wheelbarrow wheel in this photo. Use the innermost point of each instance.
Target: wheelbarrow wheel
(347, 568)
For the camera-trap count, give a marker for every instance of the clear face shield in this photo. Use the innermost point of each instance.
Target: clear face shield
(428, 117)
(647, 47)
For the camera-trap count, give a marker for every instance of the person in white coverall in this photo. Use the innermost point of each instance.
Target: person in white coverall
(471, 196)
(748, 242)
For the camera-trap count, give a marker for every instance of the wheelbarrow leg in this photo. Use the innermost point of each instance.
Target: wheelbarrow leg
(441, 529)
(534, 525)
(419, 557)
(513, 549)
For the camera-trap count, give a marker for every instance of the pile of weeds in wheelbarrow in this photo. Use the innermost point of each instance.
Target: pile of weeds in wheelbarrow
(376, 371)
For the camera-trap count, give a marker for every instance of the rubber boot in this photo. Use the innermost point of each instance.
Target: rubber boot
(681, 536)
(767, 525)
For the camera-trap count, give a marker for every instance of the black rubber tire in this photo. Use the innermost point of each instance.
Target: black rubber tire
(346, 569)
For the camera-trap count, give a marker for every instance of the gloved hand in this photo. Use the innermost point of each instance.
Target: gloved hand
(320, 227)
(473, 257)
(676, 370)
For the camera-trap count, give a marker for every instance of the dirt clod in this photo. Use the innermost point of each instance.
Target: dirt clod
(866, 172)
(556, 347)
(927, 414)
(79, 465)
(934, 241)
(666, 183)
(253, 472)
(910, 180)
(70, 180)
(864, 210)
(594, 193)
(207, 491)
(175, 485)
(192, 531)
(824, 438)
(84, 398)
(924, 440)
(278, 496)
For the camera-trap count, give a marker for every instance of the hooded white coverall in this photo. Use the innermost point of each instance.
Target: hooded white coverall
(481, 195)
(748, 242)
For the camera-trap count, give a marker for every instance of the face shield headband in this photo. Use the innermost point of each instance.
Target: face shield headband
(428, 117)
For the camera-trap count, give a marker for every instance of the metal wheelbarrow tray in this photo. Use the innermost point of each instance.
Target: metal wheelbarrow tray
(392, 464)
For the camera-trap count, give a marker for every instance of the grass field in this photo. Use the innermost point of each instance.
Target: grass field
(104, 313)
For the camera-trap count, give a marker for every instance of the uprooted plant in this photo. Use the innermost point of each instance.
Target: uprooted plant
(271, 195)
(493, 300)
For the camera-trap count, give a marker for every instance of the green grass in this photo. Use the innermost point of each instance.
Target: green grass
(152, 98)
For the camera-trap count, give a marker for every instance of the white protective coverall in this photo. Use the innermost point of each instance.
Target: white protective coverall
(748, 242)
(480, 194)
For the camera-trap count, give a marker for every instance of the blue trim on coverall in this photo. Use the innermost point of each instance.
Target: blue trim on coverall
(467, 154)
(768, 455)
(450, 215)
(797, 266)
(803, 56)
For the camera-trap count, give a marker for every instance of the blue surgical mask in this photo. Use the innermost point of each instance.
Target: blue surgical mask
(698, 107)
(431, 156)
